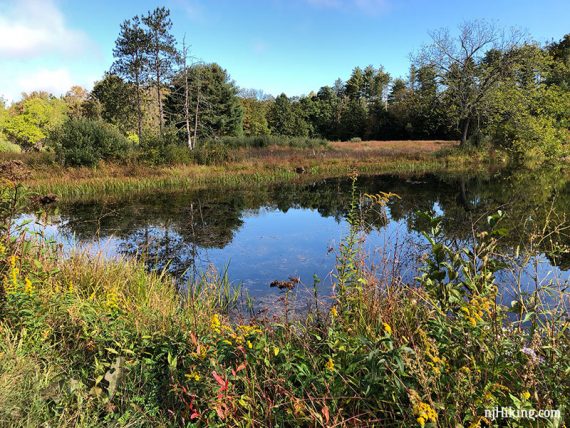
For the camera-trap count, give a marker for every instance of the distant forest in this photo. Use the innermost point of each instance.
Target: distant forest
(478, 84)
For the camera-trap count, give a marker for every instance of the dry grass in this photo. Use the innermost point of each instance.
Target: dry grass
(394, 147)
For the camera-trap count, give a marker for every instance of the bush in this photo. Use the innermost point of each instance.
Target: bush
(7, 147)
(163, 149)
(84, 142)
(213, 154)
(355, 140)
(268, 140)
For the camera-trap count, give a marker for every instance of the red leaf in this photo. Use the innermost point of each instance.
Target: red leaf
(325, 411)
(223, 383)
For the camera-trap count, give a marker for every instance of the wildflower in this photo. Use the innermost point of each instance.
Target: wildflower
(193, 376)
(70, 287)
(387, 329)
(276, 351)
(334, 312)
(525, 395)
(14, 271)
(473, 321)
(215, 323)
(249, 344)
(28, 287)
(112, 299)
(424, 411)
(421, 420)
(330, 365)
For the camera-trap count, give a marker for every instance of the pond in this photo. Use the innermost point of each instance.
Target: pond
(294, 230)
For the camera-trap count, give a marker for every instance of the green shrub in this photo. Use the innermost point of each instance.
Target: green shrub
(355, 140)
(8, 147)
(163, 149)
(268, 140)
(213, 154)
(84, 142)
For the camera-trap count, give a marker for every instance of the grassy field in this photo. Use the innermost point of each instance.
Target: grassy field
(247, 166)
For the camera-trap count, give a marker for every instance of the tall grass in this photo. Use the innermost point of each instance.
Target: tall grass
(92, 342)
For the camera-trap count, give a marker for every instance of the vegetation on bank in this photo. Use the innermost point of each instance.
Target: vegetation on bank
(479, 85)
(87, 341)
(248, 165)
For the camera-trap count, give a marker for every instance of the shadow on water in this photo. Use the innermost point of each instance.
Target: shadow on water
(294, 229)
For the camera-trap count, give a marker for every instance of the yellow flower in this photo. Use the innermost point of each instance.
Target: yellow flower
(330, 365)
(70, 287)
(249, 344)
(276, 351)
(334, 312)
(112, 299)
(525, 395)
(216, 323)
(421, 420)
(387, 328)
(193, 376)
(28, 288)
(472, 321)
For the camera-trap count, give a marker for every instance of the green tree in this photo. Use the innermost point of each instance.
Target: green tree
(460, 69)
(75, 99)
(527, 113)
(161, 54)
(131, 61)
(32, 119)
(255, 116)
(112, 100)
(286, 118)
(213, 102)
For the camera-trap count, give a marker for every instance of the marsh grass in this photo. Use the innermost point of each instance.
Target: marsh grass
(246, 165)
(87, 341)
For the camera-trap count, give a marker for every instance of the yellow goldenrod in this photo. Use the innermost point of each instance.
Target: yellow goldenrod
(193, 376)
(334, 312)
(216, 324)
(28, 287)
(330, 365)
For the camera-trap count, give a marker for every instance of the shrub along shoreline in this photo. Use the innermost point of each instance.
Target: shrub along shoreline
(88, 342)
(246, 166)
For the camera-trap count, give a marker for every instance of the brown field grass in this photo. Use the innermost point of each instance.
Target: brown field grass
(246, 166)
(394, 147)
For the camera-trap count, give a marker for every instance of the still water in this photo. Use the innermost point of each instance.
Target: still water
(294, 230)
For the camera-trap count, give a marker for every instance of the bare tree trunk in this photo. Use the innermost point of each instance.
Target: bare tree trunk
(196, 119)
(139, 108)
(186, 95)
(187, 109)
(465, 132)
(158, 92)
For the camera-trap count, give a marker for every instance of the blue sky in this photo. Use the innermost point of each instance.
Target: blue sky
(291, 46)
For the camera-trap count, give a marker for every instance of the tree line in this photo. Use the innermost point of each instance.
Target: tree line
(480, 85)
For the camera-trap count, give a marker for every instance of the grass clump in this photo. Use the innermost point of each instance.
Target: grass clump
(8, 147)
(92, 342)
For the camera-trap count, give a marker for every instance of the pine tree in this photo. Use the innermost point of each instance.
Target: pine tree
(130, 52)
(161, 53)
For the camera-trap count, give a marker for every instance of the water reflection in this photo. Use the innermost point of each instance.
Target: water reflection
(278, 231)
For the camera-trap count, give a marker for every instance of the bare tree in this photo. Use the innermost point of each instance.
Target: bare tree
(468, 65)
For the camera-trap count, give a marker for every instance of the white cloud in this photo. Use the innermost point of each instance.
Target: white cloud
(32, 28)
(56, 81)
(370, 7)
